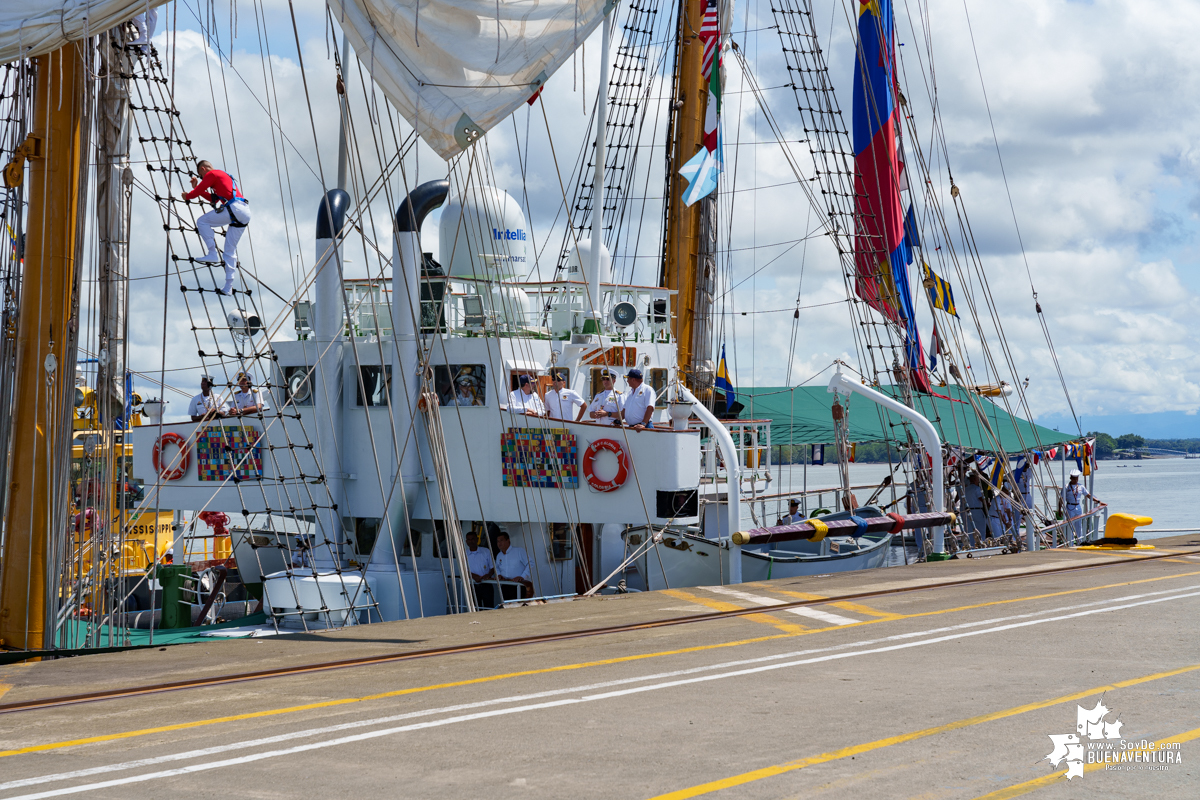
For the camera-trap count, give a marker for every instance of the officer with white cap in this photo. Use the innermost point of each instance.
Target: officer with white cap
(525, 400)
(1072, 500)
(638, 406)
(247, 401)
(206, 404)
(605, 408)
(793, 516)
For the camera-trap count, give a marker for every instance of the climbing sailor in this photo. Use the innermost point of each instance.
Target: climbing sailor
(1072, 499)
(145, 24)
(230, 208)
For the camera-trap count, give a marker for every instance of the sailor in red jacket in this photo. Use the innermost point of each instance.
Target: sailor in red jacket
(231, 208)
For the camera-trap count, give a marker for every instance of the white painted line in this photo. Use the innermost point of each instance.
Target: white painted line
(803, 611)
(823, 616)
(956, 632)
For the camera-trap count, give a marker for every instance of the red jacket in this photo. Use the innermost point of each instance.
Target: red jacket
(215, 186)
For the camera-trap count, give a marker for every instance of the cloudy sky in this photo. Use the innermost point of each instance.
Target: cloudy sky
(1093, 114)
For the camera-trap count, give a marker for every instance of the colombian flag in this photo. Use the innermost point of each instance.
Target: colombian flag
(882, 251)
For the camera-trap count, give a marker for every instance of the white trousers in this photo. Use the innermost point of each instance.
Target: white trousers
(996, 527)
(978, 525)
(220, 218)
(1075, 524)
(145, 24)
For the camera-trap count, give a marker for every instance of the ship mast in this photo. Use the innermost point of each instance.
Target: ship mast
(46, 341)
(688, 255)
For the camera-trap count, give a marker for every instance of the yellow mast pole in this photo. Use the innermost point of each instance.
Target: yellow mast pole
(680, 254)
(43, 331)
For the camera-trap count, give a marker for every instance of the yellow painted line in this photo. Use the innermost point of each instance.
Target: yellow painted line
(878, 744)
(720, 605)
(1017, 600)
(1054, 777)
(543, 671)
(7, 673)
(871, 612)
(384, 695)
(1128, 553)
(844, 605)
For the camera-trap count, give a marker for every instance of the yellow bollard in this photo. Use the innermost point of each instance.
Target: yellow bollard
(1118, 533)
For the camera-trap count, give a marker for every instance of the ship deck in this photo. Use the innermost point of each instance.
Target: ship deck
(932, 680)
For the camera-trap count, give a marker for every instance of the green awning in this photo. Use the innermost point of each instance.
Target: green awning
(802, 415)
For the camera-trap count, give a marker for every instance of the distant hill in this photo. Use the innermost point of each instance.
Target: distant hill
(1125, 444)
(1161, 425)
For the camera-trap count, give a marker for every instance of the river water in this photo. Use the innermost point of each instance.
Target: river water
(1161, 488)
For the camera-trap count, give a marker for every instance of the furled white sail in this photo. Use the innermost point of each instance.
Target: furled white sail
(457, 68)
(34, 27)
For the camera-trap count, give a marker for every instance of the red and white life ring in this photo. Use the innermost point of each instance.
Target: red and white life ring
(589, 457)
(185, 456)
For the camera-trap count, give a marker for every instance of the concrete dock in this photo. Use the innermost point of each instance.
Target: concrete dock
(925, 690)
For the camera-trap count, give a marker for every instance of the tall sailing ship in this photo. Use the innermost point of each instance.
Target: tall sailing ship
(394, 431)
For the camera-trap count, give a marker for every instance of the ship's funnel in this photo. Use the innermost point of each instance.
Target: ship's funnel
(407, 258)
(483, 235)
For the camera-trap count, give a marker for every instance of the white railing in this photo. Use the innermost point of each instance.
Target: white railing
(1061, 534)
(751, 439)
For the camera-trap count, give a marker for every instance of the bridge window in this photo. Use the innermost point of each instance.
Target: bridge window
(461, 384)
(375, 380)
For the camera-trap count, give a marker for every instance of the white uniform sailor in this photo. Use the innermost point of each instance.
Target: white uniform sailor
(512, 564)
(606, 405)
(638, 403)
(561, 400)
(206, 404)
(524, 400)
(999, 516)
(247, 400)
(1072, 500)
(973, 505)
(145, 24)
(793, 516)
(1023, 486)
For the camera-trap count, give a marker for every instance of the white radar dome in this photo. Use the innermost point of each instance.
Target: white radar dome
(583, 252)
(483, 235)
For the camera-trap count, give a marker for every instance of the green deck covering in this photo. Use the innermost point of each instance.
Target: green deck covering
(801, 415)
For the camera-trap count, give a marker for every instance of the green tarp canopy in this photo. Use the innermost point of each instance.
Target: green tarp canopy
(802, 415)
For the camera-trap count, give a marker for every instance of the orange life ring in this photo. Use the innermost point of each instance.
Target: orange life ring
(185, 456)
(589, 456)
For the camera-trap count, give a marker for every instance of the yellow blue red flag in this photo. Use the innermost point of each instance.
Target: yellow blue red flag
(724, 384)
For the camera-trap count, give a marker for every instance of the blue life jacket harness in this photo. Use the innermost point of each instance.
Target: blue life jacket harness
(234, 222)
